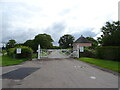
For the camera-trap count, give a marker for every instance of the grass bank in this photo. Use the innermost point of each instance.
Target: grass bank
(112, 65)
(6, 61)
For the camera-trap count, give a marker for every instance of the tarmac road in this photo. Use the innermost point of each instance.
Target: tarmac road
(62, 73)
(56, 54)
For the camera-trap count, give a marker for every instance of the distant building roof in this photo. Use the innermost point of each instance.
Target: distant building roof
(82, 40)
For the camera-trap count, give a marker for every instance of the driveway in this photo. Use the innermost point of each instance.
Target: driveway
(60, 73)
(56, 54)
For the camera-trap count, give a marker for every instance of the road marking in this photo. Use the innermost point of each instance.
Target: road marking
(92, 77)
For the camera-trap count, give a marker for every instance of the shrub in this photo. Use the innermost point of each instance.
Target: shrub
(11, 52)
(109, 52)
(26, 52)
(87, 53)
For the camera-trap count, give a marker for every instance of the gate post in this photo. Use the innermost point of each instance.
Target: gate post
(39, 51)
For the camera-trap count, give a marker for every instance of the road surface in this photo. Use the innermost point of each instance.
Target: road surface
(56, 54)
(62, 73)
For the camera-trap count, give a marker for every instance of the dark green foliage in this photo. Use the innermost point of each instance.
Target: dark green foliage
(11, 52)
(110, 41)
(87, 53)
(34, 55)
(113, 39)
(10, 44)
(109, 28)
(99, 40)
(66, 41)
(109, 52)
(44, 40)
(29, 43)
(19, 44)
(111, 34)
(26, 52)
(94, 42)
(56, 47)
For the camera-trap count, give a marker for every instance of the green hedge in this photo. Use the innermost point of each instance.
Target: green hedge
(11, 52)
(26, 52)
(109, 52)
(87, 53)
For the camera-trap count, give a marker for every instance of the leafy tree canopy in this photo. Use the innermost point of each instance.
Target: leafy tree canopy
(29, 43)
(66, 41)
(94, 42)
(111, 34)
(44, 40)
(11, 44)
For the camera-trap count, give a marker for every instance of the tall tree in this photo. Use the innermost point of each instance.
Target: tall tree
(94, 42)
(110, 28)
(66, 41)
(10, 44)
(99, 40)
(44, 40)
(29, 43)
(111, 34)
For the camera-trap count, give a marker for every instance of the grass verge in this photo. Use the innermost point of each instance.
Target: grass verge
(112, 65)
(6, 61)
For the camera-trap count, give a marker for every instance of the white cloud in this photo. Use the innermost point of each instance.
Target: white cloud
(36, 16)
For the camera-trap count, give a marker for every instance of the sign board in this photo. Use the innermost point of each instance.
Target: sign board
(81, 49)
(18, 51)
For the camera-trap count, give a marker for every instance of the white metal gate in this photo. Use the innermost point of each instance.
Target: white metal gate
(55, 53)
(61, 53)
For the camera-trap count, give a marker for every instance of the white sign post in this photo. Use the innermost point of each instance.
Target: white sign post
(18, 51)
(38, 51)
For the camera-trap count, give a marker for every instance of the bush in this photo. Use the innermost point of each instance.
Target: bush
(26, 52)
(87, 53)
(109, 52)
(11, 52)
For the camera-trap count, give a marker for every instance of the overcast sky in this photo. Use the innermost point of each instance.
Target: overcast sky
(23, 19)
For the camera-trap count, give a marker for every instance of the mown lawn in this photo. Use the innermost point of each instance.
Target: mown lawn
(112, 65)
(6, 61)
